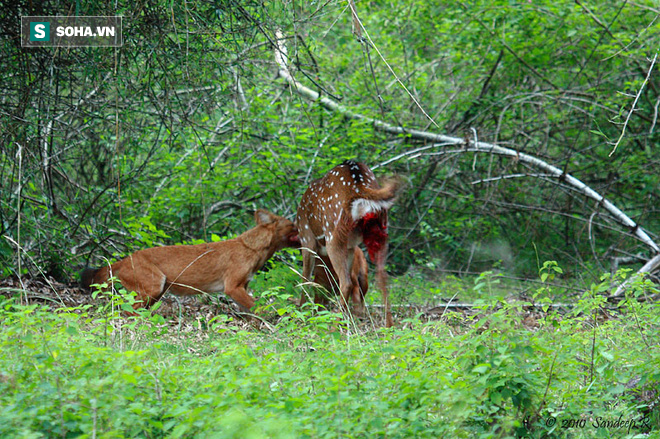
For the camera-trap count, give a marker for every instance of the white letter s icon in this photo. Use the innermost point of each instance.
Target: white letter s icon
(40, 31)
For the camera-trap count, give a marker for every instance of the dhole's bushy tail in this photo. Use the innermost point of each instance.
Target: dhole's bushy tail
(87, 277)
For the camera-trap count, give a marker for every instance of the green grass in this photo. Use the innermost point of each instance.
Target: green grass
(309, 374)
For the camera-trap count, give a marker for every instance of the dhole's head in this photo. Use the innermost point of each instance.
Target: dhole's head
(284, 231)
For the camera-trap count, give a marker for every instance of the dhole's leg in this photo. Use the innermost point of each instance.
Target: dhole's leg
(356, 295)
(381, 282)
(240, 295)
(147, 281)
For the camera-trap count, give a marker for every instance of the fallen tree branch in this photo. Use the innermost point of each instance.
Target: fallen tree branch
(508, 177)
(652, 265)
(443, 140)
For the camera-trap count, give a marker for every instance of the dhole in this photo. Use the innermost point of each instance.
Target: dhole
(339, 211)
(325, 276)
(203, 268)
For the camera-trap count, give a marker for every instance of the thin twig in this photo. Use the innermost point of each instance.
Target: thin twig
(593, 349)
(592, 243)
(357, 20)
(639, 93)
(19, 155)
(641, 331)
(655, 115)
(547, 387)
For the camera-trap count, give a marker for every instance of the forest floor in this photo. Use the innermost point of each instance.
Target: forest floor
(59, 295)
(191, 309)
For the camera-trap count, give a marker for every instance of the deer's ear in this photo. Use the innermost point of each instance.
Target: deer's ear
(262, 216)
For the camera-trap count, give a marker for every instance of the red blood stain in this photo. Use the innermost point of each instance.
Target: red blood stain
(374, 234)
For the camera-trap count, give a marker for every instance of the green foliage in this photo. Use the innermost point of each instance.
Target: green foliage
(549, 270)
(84, 372)
(178, 135)
(173, 136)
(144, 231)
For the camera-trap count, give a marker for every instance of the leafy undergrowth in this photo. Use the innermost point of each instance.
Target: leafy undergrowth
(86, 371)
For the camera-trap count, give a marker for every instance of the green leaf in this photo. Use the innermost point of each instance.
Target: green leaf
(481, 368)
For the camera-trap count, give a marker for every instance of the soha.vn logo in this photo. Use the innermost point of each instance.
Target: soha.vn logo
(39, 31)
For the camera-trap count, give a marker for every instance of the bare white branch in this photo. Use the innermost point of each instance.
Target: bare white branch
(639, 93)
(443, 140)
(510, 176)
(652, 265)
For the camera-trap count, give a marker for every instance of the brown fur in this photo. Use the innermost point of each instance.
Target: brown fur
(325, 276)
(203, 268)
(339, 211)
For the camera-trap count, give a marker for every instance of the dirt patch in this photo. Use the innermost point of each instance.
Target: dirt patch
(58, 295)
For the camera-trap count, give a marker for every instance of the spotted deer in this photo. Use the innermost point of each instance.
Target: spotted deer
(339, 211)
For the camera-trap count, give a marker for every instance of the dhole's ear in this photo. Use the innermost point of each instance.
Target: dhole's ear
(262, 216)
